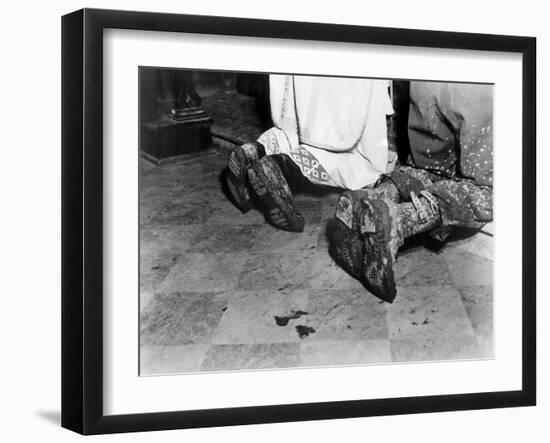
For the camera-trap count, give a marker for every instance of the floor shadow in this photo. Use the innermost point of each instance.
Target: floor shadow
(53, 417)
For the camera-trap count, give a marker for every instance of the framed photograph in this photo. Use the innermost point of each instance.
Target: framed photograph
(269, 221)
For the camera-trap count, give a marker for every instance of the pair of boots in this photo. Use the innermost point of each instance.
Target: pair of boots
(253, 175)
(374, 222)
(374, 225)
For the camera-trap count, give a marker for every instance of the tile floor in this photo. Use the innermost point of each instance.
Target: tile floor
(221, 290)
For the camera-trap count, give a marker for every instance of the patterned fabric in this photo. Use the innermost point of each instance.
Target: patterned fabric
(310, 166)
(277, 141)
(421, 210)
(461, 202)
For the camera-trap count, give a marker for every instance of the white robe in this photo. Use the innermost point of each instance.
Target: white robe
(334, 129)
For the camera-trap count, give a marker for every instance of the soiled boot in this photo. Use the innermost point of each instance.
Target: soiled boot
(346, 243)
(348, 208)
(238, 164)
(385, 226)
(274, 194)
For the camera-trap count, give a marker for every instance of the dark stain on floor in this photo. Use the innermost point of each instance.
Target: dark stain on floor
(283, 320)
(304, 331)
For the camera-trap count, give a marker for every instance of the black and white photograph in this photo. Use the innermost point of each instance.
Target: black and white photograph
(275, 222)
(299, 221)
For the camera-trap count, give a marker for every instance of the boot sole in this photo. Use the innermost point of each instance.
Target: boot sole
(277, 209)
(236, 180)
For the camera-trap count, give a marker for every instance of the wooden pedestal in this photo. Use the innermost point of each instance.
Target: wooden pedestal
(165, 137)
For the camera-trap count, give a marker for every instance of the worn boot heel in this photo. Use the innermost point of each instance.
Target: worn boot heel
(238, 164)
(271, 188)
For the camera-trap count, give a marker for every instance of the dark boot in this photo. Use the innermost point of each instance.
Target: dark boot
(385, 226)
(346, 248)
(346, 243)
(349, 207)
(274, 194)
(238, 164)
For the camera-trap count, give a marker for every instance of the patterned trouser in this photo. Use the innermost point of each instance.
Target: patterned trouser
(462, 202)
(450, 134)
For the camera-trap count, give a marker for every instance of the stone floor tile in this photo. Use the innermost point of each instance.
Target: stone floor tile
(255, 317)
(334, 352)
(158, 360)
(181, 318)
(486, 346)
(275, 271)
(204, 272)
(224, 238)
(248, 357)
(270, 239)
(478, 301)
(153, 270)
(478, 244)
(428, 312)
(224, 212)
(184, 213)
(345, 315)
(468, 269)
(436, 348)
(421, 267)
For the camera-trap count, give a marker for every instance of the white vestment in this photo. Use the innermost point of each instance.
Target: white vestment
(334, 129)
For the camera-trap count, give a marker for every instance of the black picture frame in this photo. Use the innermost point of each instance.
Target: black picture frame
(82, 218)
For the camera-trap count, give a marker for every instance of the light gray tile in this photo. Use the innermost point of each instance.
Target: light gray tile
(157, 360)
(250, 317)
(224, 212)
(145, 297)
(181, 318)
(469, 269)
(224, 238)
(430, 322)
(248, 357)
(184, 207)
(427, 310)
(174, 239)
(478, 301)
(489, 228)
(434, 348)
(204, 272)
(478, 244)
(421, 267)
(486, 346)
(153, 269)
(271, 239)
(276, 270)
(334, 352)
(345, 315)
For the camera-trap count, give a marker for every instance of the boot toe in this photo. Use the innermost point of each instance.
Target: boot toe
(346, 248)
(380, 250)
